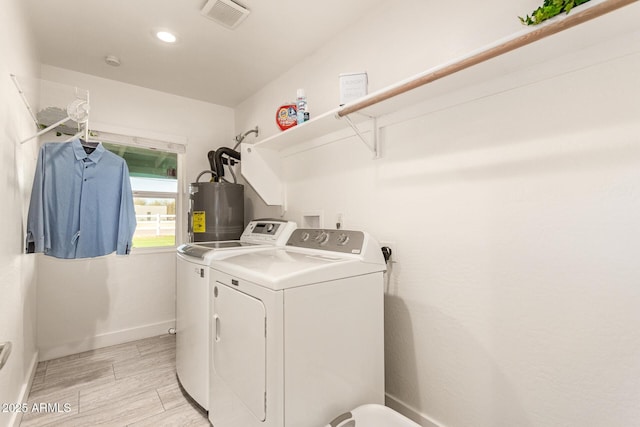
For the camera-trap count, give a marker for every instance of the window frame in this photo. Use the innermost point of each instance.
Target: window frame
(154, 144)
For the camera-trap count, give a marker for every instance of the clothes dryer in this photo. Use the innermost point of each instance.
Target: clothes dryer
(192, 294)
(297, 332)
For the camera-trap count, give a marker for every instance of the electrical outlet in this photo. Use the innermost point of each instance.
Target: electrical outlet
(394, 249)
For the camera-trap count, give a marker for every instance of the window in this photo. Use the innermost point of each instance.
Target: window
(154, 183)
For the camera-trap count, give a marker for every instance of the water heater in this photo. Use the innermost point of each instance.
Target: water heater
(216, 211)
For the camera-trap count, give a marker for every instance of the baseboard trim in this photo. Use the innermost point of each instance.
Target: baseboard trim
(16, 419)
(410, 412)
(105, 340)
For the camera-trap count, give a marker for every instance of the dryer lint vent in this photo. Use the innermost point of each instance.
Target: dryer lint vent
(225, 12)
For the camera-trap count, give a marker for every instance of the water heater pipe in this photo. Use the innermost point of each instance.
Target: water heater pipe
(218, 159)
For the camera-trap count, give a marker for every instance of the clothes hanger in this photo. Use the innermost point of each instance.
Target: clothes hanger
(84, 135)
(85, 141)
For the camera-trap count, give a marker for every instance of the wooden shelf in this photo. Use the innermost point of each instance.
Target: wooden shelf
(531, 46)
(562, 44)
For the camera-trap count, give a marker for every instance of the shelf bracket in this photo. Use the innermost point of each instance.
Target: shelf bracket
(373, 146)
(24, 98)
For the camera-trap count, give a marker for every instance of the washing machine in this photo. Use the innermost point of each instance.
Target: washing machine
(297, 332)
(192, 294)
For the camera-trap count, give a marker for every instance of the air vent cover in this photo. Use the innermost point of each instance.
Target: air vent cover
(225, 12)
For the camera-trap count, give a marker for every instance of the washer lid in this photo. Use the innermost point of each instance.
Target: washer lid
(286, 268)
(202, 249)
(260, 233)
(226, 244)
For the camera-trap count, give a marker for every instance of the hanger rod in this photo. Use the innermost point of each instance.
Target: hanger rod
(576, 17)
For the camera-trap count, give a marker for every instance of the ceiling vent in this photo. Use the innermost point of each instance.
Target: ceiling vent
(225, 12)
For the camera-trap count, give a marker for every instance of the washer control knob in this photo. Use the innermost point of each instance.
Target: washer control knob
(322, 238)
(270, 227)
(343, 239)
(304, 237)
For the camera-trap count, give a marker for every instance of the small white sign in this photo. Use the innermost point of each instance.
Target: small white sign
(352, 86)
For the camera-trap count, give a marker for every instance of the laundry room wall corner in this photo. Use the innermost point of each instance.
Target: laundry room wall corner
(17, 270)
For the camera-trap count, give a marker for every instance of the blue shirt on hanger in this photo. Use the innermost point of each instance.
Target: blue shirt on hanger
(81, 204)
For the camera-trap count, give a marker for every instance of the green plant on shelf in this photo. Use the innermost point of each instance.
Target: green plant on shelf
(549, 9)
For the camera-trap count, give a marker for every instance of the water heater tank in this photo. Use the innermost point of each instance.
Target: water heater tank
(216, 211)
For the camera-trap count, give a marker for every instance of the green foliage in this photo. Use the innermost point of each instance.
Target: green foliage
(153, 241)
(549, 9)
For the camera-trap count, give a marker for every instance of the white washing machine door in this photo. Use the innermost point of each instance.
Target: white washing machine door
(239, 347)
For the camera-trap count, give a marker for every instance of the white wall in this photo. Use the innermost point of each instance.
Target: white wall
(91, 303)
(514, 299)
(17, 271)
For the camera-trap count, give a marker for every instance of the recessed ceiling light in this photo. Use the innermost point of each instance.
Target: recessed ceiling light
(166, 36)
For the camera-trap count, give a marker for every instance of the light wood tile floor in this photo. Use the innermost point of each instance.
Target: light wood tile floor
(132, 384)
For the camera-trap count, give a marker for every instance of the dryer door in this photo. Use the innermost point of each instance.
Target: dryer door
(192, 329)
(239, 345)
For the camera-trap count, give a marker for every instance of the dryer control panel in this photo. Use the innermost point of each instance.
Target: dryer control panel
(343, 241)
(273, 231)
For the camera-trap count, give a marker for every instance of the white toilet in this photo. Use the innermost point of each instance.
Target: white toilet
(372, 416)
